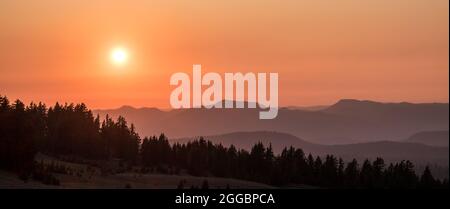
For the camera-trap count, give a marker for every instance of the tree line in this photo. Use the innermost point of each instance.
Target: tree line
(69, 130)
(290, 168)
(73, 130)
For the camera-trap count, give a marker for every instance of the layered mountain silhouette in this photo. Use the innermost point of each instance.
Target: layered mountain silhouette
(432, 138)
(347, 121)
(390, 151)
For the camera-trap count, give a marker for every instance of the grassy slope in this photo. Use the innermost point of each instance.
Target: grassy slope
(93, 179)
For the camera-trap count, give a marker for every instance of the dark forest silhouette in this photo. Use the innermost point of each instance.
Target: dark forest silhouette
(72, 130)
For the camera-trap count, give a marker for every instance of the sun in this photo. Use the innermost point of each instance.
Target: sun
(119, 56)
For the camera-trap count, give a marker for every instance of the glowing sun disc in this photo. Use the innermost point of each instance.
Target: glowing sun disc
(119, 56)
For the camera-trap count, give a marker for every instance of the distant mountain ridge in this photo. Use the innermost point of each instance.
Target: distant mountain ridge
(245, 140)
(370, 108)
(390, 151)
(347, 121)
(432, 138)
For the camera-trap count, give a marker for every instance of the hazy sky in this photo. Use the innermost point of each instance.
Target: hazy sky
(384, 50)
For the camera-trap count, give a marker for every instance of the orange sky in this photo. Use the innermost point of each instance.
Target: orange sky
(53, 50)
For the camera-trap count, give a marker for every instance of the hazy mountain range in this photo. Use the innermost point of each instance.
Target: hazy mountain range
(390, 151)
(347, 121)
(432, 138)
(348, 129)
